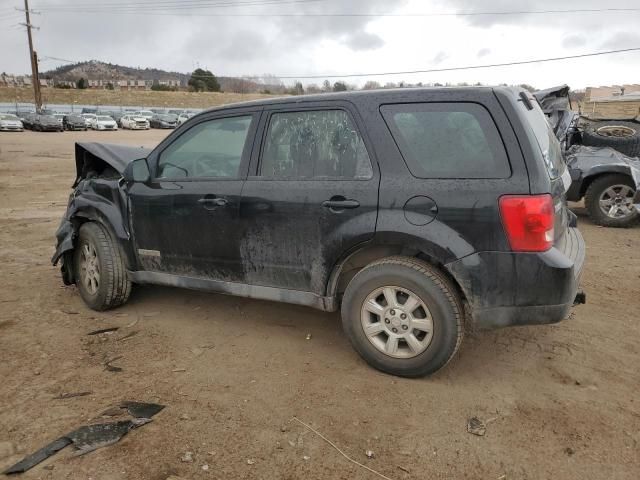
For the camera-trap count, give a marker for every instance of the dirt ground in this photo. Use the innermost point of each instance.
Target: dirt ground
(560, 401)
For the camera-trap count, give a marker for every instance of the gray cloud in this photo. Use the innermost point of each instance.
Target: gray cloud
(573, 41)
(483, 52)
(439, 58)
(624, 39)
(364, 41)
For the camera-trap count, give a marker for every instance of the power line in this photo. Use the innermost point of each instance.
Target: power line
(449, 69)
(171, 8)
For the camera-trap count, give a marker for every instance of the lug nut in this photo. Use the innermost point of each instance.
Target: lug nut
(394, 330)
(392, 312)
(404, 327)
(403, 316)
(386, 320)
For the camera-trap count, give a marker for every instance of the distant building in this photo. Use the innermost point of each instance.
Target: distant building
(600, 93)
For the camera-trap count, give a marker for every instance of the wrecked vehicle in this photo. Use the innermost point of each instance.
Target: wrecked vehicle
(411, 211)
(601, 173)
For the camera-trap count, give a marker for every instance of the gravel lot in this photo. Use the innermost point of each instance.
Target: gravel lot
(559, 401)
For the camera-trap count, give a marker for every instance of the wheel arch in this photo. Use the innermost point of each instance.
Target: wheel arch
(354, 261)
(599, 172)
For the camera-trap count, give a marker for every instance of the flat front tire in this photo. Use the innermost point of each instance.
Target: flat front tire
(99, 269)
(403, 316)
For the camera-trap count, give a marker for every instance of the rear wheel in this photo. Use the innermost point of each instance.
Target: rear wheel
(403, 317)
(609, 201)
(99, 269)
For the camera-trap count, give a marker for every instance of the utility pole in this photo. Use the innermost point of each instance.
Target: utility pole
(35, 77)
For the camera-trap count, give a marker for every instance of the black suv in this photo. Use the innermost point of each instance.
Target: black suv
(409, 210)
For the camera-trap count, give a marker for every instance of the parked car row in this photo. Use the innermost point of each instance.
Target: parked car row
(48, 120)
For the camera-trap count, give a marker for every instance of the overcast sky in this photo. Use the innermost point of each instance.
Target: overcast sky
(289, 45)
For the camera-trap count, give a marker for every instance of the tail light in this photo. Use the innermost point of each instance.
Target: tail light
(528, 221)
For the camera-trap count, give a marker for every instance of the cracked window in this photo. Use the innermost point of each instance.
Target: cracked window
(314, 144)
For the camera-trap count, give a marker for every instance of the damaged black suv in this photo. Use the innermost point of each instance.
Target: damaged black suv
(411, 211)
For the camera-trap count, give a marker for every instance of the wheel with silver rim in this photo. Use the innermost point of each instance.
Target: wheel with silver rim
(99, 269)
(617, 201)
(610, 201)
(397, 322)
(89, 268)
(403, 316)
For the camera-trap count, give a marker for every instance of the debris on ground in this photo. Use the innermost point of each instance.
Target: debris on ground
(370, 454)
(187, 457)
(404, 469)
(250, 462)
(113, 368)
(64, 396)
(205, 467)
(91, 437)
(104, 330)
(308, 336)
(340, 451)
(128, 336)
(475, 426)
(569, 451)
(306, 457)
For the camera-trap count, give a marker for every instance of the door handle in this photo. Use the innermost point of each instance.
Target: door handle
(340, 203)
(209, 202)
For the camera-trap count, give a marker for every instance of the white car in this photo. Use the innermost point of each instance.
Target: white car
(183, 117)
(88, 118)
(103, 122)
(145, 113)
(134, 122)
(10, 123)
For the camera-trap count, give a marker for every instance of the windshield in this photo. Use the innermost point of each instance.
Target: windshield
(167, 118)
(102, 118)
(8, 116)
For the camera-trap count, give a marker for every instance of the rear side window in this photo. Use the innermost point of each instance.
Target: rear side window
(447, 140)
(314, 144)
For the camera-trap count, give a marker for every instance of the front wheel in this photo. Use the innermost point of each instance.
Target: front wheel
(609, 201)
(403, 317)
(99, 269)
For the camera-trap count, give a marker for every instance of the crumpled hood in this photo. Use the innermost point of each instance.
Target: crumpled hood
(588, 161)
(117, 156)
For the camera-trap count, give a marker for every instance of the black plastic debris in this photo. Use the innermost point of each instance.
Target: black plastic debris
(39, 456)
(91, 437)
(103, 330)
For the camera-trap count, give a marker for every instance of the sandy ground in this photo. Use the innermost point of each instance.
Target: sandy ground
(560, 402)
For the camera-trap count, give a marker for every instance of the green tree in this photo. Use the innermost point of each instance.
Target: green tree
(203, 80)
(82, 83)
(110, 86)
(339, 87)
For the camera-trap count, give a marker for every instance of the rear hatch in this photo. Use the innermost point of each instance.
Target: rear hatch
(554, 163)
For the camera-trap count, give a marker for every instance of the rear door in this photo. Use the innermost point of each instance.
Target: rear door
(185, 220)
(312, 195)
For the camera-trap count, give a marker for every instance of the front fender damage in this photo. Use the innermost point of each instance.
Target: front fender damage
(98, 196)
(585, 162)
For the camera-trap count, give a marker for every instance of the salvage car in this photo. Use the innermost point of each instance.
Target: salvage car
(88, 118)
(162, 120)
(183, 117)
(134, 122)
(103, 122)
(411, 211)
(596, 153)
(10, 123)
(148, 114)
(74, 122)
(46, 123)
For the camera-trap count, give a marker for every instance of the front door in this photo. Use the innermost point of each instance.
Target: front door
(184, 221)
(312, 196)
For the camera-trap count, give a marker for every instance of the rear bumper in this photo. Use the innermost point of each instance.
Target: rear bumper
(508, 288)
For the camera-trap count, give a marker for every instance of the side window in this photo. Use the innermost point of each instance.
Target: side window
(447, 140)
(209, 149)
(314, 144)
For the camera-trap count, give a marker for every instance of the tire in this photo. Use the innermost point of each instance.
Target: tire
(625, 138)
(405, 276)
(597, 192)
(112, 287)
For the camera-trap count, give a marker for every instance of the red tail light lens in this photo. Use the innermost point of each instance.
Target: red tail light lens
(528, 221)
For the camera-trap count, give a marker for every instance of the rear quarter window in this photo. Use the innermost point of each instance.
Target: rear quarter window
(447, 140)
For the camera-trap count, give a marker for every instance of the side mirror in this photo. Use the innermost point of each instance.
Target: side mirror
(137, 171)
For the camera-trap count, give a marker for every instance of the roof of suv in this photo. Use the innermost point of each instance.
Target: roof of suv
(318, 97)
